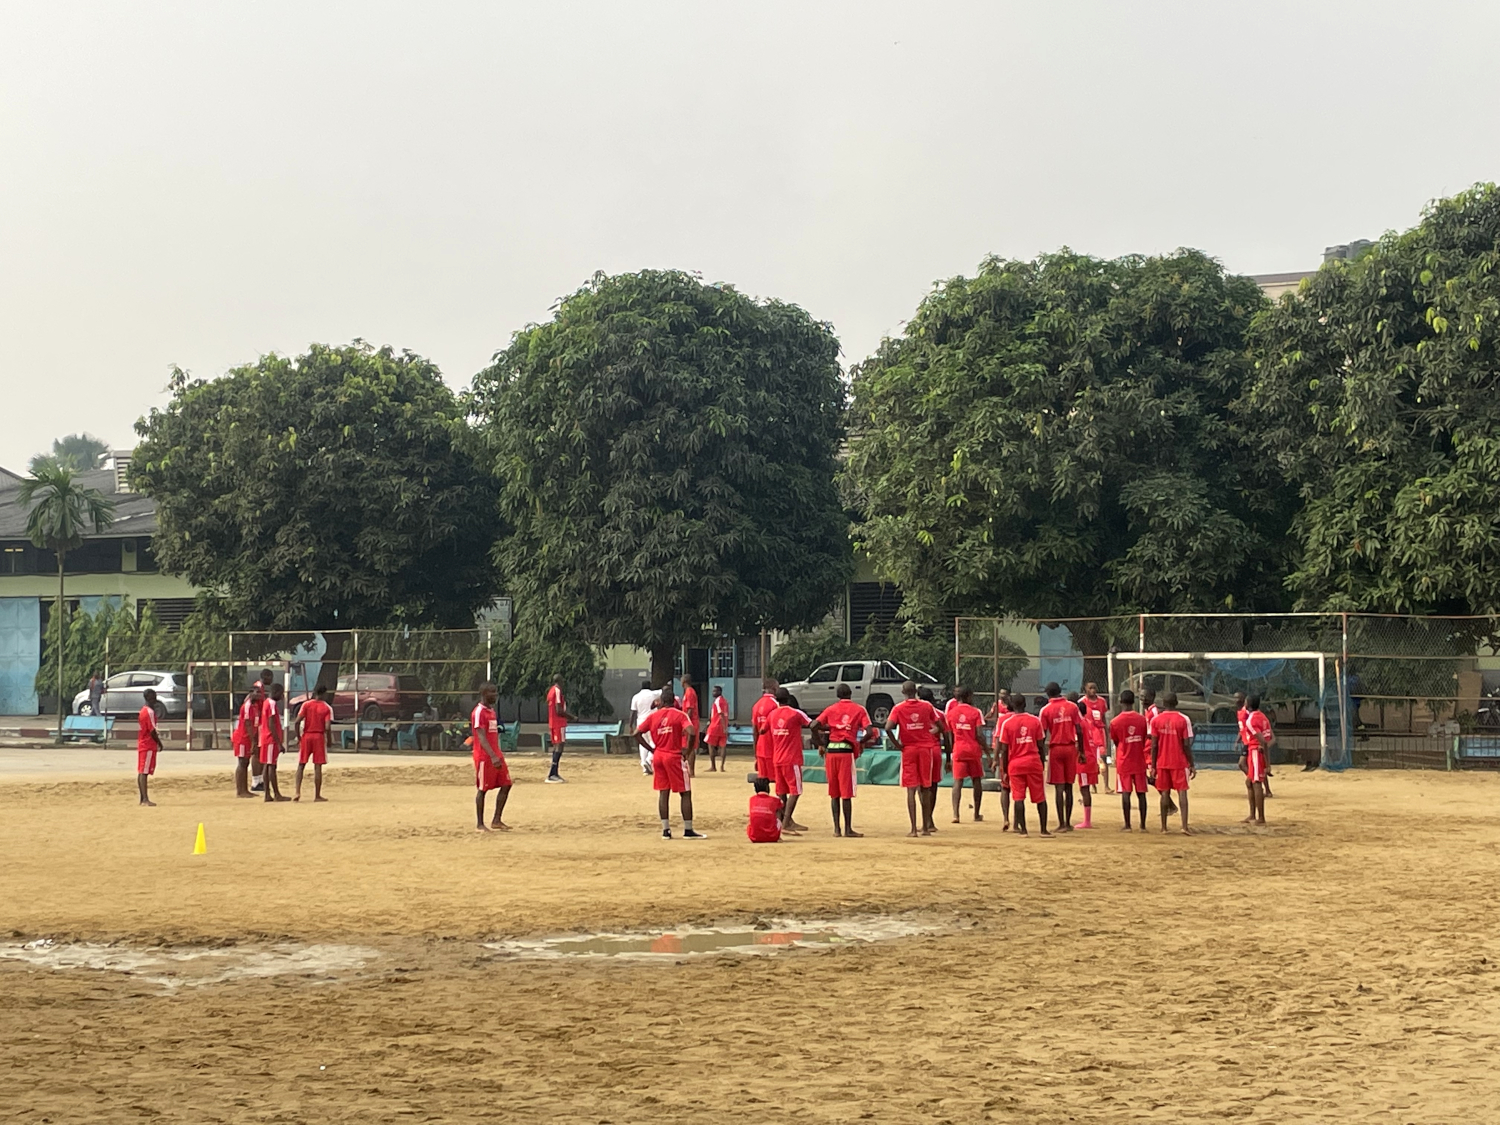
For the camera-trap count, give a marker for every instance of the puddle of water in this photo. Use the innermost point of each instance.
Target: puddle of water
(774, 937)
(188, 966)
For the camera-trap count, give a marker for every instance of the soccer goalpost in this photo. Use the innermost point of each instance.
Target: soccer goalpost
(1141, 661)
(282, 666)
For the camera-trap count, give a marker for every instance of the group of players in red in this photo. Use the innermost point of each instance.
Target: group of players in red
(259, 737)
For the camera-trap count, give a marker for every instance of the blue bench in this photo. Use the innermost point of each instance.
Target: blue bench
(597, 734)
(95, 728)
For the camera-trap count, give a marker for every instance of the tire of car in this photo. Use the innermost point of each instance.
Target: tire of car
(85, 708)
(371, 713)
(161, 710)
(879, 707)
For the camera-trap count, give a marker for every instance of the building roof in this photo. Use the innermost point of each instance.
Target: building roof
(135, 515)
(1292, 278)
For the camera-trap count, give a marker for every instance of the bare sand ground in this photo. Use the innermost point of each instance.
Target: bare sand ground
(1342, 965)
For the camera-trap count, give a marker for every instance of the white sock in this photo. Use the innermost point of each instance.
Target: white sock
(666, 825)
(687, 825)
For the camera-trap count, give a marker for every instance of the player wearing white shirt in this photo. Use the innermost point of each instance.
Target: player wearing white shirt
(641, 704)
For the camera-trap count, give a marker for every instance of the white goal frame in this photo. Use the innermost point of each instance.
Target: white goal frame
(283, 666)
(1142, 657)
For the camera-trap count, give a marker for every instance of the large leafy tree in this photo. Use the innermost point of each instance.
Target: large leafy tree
(1377, 392)
(78, 452)
(665, 451)
(333, 490)
(1052, 438)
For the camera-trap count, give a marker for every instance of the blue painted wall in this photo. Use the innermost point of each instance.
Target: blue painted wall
(20, 654)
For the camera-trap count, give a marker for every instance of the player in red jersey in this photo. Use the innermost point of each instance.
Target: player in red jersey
(1061, 720)
(999, 712)
(689, 705)
(765, 814)
(942, 755)
(718, 730)
(765, 765)
(1255, 762)
(965, 722)
(313, 720)
(491, 772)
(1128, 731)
(1022, 745)
(672, 734)
(1151, 710)
(1172, 758)
(1241, 714)
(786, 725)
(245, 739)
(1095, 709)
(1000, 708)
(843, 731)
(272, 742)
(558, 716)
(917, 728)
(147, 745)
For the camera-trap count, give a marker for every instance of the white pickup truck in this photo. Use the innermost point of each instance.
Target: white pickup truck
(875, 684)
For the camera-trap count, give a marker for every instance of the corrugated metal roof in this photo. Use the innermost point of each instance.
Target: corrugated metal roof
(135, 515)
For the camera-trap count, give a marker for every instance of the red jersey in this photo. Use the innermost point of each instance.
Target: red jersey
(1094, 711)
(690, 703)
(249, 717)
(557, 706)
(1022, 735)
(718, 717)
(270, 723)
(1257, 723)
(787, 724)
(1171, 730)
(1060, 719)
(485, 725)
(146, 738)
(1128, 730)
(758, 716)
(317, 716)
(966, 721)
(846, 721)
(914, 719)
(669, 729)
(764, 827)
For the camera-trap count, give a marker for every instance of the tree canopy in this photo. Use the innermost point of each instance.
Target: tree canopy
(79, 452)
(1053, 438)
(665, 453)
(332, 490)
(1375, 393)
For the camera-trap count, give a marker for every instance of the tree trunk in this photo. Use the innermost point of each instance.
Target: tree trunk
(62, 642)
(333, 652)
(663, 665)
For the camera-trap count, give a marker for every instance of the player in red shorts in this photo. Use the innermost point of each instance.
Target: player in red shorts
(942, 755)
(272, 741)
(313, 720)
(999, 713)
(1151, 710)
(965, 722)
(765, 765)
(147, 746)
(843, 731)
(1022, 740)
(1255, 762)
(689, 705)
(557, 727)
(1128, 731)
(245, 739)
(491, 772)
(786, 725)
(718, 730)
(672, 733)
(917, 728)
(1095, 709)
(1241, 714)
(765, 814)
(1061, 720)
(1172, 758)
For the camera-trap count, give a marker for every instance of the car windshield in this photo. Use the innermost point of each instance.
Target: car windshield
(916, 674)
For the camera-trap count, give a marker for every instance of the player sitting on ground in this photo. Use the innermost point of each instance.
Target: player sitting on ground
(718, 731)
(965, 721)
(1127, 731)
(843, 731)
(147, 745)
(916, 727)
(272, 742)
(765, 814)
(1172, 758)
(245, 740)
(671, 733)
(491, 772)
(313, 720)
(1254, 761)
(1021, 750)
(558, 716)
(1060, 720)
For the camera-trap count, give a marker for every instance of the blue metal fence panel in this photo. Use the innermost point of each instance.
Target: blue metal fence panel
(20, 654)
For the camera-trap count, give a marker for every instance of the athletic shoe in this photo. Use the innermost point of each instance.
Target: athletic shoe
(691, 835)
(556, 779)
(646, 771)
(666, 833)
(258, 785)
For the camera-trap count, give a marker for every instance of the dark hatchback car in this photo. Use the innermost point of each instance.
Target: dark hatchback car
(382, 695)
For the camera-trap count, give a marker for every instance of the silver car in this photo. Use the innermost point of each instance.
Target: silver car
(124, 694)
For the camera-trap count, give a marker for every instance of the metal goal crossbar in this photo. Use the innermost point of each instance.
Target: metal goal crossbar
(282, 666)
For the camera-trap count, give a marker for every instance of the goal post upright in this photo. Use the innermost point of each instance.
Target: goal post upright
(286, 675)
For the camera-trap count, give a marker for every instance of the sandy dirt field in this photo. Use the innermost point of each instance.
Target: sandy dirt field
(1341, 965)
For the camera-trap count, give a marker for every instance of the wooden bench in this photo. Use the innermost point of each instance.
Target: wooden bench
(95, 728)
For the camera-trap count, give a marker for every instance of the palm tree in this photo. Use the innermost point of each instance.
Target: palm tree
(62, 514)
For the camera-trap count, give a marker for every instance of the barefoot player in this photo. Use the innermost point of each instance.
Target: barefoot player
(1060, 720)
(1095, 710)
(246, 740)
(671, 732)
(965, 722)
(557, 727)
(1256, 759)
(999, 712)
(765, 765)
(844, 731)
(272, 742)
(1021, 747)
(786, 725)
(917, 729)
(490, 769)
(1128, 731)
(313, 720)
(1172, 758)
(147, 746)
(718, 731)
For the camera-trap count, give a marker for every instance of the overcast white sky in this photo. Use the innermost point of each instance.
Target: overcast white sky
(201, 183)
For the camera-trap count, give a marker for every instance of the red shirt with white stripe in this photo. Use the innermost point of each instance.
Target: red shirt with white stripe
(1060, 719)
(787, 724)
(1128, 730)
(668, 728)
(485, 726)
(1171, 730)
(145, 739)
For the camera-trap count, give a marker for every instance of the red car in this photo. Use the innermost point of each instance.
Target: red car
(382, 695)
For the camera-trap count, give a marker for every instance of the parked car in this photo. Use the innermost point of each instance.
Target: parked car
(1216, 707)
(382, 695)
(124, 694)
(875, 684)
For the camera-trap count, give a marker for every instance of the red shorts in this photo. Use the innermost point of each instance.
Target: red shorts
(1088, 773)
(937, 765)
(916, 768)
(269, 752)
(764, 766)
(967, 767)
(839, 765)
(1062, 766)
(717, 738)
(489, 776)
(788, 777)
(557, 732)
(1131, 781)
(314, 748)
(145, 760)
(1027, 785)
(1255, 765)
(1171, 779)
(242, 748)
(669, 773)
